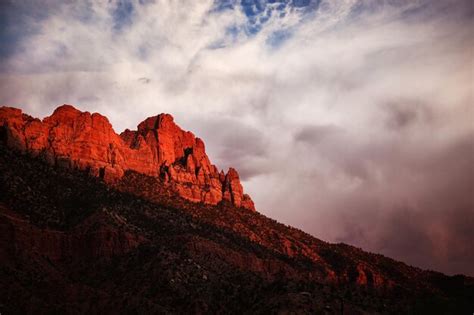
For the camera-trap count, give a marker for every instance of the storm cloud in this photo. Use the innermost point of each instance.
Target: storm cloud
(352, 120)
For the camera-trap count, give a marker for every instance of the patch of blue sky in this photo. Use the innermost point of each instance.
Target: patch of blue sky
(123, 14)
(258, 13)
(253, 8)
(301, 3)
(222, 5)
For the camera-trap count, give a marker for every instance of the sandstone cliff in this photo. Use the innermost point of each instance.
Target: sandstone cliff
(159, 147)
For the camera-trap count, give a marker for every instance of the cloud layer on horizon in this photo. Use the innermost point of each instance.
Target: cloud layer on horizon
(352, 120)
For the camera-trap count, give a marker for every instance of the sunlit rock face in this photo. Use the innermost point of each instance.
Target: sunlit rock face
(158, 147)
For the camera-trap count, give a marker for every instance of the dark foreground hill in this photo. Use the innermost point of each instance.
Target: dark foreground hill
(71, 244)
(74, 243)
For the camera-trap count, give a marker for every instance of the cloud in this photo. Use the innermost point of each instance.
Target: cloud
(405, 113)
(235, 143)
(422, 216)
(349, 119)
(316, 134)
(144, 80)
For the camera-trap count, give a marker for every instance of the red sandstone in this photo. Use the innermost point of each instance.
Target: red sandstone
(159, 147)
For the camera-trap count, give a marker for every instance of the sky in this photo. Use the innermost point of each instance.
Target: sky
(352, 120)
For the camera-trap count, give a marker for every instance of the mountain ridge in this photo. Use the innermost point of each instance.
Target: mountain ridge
(75, 243)
(158, 147)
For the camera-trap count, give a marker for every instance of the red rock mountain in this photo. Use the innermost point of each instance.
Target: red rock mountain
(74, 244)
(158, 148)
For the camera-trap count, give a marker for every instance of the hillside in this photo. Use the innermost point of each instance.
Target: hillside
(77, 242)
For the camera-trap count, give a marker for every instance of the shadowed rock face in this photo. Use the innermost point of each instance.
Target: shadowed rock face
(159, 147)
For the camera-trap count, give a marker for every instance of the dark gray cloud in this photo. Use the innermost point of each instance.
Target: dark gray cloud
(436, 239)
(402, 114)
(420, 212)
(232, 143)
(316, 134)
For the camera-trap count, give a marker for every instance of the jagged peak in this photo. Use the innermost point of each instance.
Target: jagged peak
(66, 108)
(155, 122)
(87, 141)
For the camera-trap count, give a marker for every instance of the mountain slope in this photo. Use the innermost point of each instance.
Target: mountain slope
(74, 243)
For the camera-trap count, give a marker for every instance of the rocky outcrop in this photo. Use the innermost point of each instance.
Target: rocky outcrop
(159, 147)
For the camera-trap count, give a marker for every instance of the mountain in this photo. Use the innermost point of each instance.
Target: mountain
(142, 222)
(158, 147)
